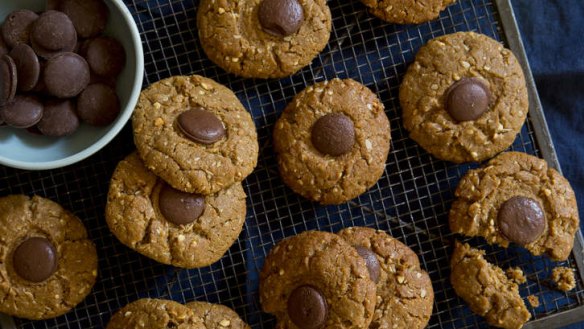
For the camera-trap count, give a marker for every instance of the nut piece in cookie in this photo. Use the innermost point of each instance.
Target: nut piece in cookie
(464, 97)
(407, 11)
(332, 141)
(486, 288)
(517, 198)
(564, 278)
(155, 313)
(172, 227)
(404, 291)
(217, 316)
(315, 280)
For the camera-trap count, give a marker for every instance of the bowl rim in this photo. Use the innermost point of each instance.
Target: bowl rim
(119, 123)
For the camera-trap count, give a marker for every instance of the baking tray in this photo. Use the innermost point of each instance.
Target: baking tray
(411, 200)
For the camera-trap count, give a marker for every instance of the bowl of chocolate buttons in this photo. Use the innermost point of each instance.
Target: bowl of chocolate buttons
(70, 75)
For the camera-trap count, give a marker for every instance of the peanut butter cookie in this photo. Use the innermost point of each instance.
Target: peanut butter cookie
(155, 314)
(407, 11)
(217, 316)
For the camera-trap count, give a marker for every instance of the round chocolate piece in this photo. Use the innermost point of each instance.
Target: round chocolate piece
(179, 207)
(59, 118)
(35, 259)
(8, 80)
(201, 126)
(66, 75)
(372, 262)
(105, 56)
(3, 47)
(88, 16)
(28, 67)
(98, 105)
(521, 220)
(333, 134)
(25, 111)
(467, 99)
(17, 27)
(307, 308)
(281, 17)
(53, 31)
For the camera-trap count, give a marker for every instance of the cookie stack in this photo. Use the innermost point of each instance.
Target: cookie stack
(358, 278)
(179, 199)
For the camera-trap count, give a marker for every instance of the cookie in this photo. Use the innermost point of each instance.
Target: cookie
(464, 98)
(47, 263)
(172, 227)
(517, 198)
(408, 11)
(332, 141)
(217, 316)
(195, 134)
(486, 289)
(316, 279)
(263, 38)
(404, 291)
(154, 314)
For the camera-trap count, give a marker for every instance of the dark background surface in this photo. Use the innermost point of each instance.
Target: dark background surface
(553, 36)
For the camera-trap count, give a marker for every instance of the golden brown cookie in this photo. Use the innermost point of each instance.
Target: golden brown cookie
(517, 198)
(316, 279)
(486, 289)
(47, 263)
(155, 314)
(464, 98)
(263, 38)
(195, 134)
(404, 291)
(332, 141)
(407, 11)
(217, 316)
(172, 227)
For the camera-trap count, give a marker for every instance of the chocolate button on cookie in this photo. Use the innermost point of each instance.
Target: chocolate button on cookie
(407, 11)
(98, 105)
(263, 38)
(88, 16)
(517, 198)
(16, 27)
(172, 227)
(23, 112)
(47, 263)
(217, 316)
(149, 313)
(404, 291)
(317, 280)
(195, 134)
(66, 75)
(28, 67)
(59, 118)
(332, 141)
(464, 98)
(8, 80)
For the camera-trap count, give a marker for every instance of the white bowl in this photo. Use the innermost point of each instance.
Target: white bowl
(21, 149)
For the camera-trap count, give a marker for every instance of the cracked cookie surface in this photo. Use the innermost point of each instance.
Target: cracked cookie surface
(404, 291)
(233, 38)
(155, 314)
(185, 164)
(324, 178)
(424, 91)
(482, 192)
(134, 216)
(217, 316)
(75, 270)
(327, 263)
(486, 289)
(408, 11)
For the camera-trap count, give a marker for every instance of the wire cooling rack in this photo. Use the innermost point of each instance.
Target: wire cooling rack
(411, 200)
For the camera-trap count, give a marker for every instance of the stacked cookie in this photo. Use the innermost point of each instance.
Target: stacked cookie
(179, 199)
(357, 278)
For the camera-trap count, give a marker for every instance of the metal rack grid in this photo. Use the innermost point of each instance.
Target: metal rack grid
(411, 201)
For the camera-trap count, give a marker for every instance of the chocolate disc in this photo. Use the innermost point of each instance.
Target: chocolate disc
(333, 134)
(53, 31)
(35, 259)
(25, 111)
(105, 56)
(307, 307)
(59, 118)
(372, 262)
(281, 17)
(98, 105)
(66, 75)
(521, 220)
(3, 47)
(467, 99)
(88, 16)
(180, 207)
(28, 67)
(8, 80)
(201, 126)
(17, 26)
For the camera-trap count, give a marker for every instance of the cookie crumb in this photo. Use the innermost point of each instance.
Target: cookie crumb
(515, 274)
(533, 301)
(564, 278)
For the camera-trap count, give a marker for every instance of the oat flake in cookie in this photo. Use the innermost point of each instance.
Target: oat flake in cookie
(170, 226)
(464, 97)
(517, 198)
(263, 38)
(407, 11)
(195, 134)
(47, 263)
(332, 141)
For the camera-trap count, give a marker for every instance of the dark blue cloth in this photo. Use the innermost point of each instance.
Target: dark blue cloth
(553, 34)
